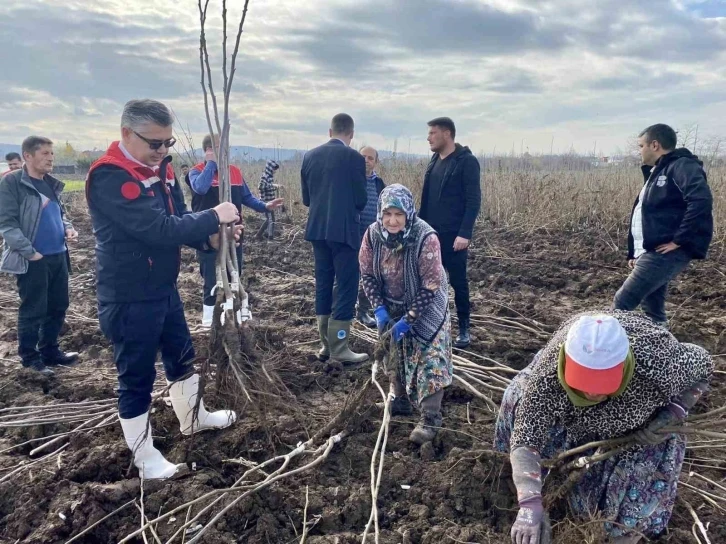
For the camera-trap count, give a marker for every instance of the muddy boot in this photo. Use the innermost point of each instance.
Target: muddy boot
(338, 334)
(36, 363)
(464, 338)
(427, 428)
(324, 353)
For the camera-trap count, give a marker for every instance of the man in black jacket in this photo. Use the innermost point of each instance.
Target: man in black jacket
(450, 204)
(333, 180)
(671, 222)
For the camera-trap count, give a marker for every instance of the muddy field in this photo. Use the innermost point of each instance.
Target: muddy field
(451, 491)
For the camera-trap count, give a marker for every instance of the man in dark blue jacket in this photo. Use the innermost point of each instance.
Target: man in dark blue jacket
(450, 204)
(140, 223)
(671, 222)
(333, 180)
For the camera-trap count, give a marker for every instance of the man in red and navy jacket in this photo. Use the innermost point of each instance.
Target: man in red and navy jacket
(204, 182)
(140, 223)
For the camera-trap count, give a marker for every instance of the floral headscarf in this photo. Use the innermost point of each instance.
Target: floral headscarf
(399, 197)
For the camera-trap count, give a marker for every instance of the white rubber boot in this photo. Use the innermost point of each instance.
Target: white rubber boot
(183, 395)
(149, 460)
(207, 313)
(244, 314)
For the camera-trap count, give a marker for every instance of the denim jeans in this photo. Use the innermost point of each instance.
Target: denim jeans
(647, 284)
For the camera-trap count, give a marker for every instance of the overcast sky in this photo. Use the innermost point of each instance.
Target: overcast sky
(522, 74)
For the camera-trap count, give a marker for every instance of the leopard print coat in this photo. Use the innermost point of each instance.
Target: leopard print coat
(664, 368)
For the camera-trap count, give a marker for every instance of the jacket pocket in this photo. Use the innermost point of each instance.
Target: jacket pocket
(163, 268)
(132, 269)
(13, 263)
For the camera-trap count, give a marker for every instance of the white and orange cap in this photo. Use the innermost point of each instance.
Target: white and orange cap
(595, 353)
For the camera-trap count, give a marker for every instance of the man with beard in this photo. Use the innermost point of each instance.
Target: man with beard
(450, 204)
(671, 223)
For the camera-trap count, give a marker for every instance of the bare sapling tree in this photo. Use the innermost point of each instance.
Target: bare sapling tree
(231, 344)
(185, 140)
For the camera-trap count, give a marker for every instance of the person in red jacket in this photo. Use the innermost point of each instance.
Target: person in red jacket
(204, 182)
(140, 223)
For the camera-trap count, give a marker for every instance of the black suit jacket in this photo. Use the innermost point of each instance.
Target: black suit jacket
(334, 188)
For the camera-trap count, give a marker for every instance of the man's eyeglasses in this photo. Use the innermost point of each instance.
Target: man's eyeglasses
(156, 144)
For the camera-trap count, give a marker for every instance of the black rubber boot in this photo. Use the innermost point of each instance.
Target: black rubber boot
(61, 358)
(37, 365)
(464, 338)
(365, 319)
(401, 406)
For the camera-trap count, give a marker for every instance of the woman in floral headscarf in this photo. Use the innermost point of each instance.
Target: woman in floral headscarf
(402, 274)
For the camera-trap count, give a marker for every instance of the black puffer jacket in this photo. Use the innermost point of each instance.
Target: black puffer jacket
(677, 205)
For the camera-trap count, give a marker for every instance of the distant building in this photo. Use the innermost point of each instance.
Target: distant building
(609, 161)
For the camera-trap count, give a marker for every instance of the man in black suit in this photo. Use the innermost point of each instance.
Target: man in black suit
(334, 188)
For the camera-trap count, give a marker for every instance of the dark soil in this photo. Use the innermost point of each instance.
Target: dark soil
(456, 494)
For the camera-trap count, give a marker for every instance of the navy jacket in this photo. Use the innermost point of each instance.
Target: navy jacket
(459, 198)
(333, 180)
(140, 223)
(677, 205)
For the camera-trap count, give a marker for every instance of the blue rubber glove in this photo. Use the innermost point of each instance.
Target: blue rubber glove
(382, 318)
(400, 329)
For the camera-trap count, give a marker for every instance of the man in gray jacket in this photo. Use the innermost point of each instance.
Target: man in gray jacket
(35, 231)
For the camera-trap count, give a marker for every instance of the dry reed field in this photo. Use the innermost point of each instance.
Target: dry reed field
(299, 468)
(523, 195)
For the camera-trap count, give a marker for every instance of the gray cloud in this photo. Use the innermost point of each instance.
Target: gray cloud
(363, 39)
(392, 64)
(638, 29)
(643, 79)
(76, 54)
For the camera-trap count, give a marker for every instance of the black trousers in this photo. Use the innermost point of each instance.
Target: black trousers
(208, 271)
(455, 264)
(336, 265)
(138, 331)
(43, 293)
(268, 227)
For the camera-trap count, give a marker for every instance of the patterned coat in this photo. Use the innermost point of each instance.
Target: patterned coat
(664, 368)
